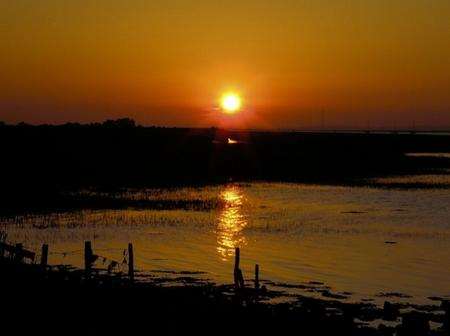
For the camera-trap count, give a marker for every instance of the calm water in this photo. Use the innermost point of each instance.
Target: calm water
(359, 240)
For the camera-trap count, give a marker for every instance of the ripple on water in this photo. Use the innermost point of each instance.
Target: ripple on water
(335, 235)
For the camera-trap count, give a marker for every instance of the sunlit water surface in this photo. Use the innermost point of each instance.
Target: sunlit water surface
(365, 241)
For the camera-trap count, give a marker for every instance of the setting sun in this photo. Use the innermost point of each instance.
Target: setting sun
(231, 103)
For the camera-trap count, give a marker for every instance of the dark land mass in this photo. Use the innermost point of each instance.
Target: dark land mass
(42, 165)
(60, 300)
(50, 168)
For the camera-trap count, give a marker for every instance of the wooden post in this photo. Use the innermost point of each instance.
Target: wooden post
(130, 262)
(256, 276)
(88, 257)
(44, 256)
(237, 257)
(18, 255)
(241, 279)
(3, 236)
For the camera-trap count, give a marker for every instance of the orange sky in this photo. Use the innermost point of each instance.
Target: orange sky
(166, 62)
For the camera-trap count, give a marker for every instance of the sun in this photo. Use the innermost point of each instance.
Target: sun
(231, 103)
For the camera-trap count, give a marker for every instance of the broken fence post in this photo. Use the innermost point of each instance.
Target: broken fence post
(130, 262)
(237, 257)
(88, 257)
(238, 277)
(236, 267)
(44, 256)
(241, 279)
(18, 255)
(3, 236)
(256, 276)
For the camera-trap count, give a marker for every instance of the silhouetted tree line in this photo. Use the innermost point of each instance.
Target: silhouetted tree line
(110, 123)
(118, 153)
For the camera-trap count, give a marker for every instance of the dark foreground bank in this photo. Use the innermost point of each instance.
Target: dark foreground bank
(60, 300)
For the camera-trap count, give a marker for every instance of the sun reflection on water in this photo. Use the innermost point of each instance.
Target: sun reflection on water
(231, 222)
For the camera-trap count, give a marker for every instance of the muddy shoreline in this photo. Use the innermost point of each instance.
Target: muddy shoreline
(184, 303)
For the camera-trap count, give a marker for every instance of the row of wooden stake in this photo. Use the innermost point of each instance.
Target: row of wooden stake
(238, 276)
(19, 253)
(90, 257)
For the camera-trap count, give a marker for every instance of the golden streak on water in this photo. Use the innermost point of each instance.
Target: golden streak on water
(231, 222)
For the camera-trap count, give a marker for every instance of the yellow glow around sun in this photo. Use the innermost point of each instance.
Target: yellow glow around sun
(231, 103)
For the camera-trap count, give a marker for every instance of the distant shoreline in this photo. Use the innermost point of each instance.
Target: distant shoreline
(128, 122)
(41, 165)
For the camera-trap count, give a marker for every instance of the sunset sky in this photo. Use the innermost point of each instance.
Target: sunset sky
(295, 63)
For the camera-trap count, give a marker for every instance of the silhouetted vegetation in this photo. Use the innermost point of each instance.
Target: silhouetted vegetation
(40, 162)
(44, 168)
(62, 298)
